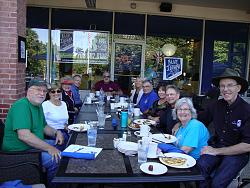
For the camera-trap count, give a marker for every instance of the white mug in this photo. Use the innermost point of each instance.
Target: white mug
(97, 93)
(92, 95)
(144, 130)
(137, 112)
(122, 100)
(89, 100)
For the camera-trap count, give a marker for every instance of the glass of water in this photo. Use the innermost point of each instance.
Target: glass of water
(92, 134)
(142, 152)
(101, 120)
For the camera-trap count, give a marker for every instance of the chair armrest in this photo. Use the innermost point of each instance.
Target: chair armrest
(24, 165)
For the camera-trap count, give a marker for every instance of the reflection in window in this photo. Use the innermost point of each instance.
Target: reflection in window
(80, 52)
(37, 43)
(221, 50)
(188, 49)
(229, 54)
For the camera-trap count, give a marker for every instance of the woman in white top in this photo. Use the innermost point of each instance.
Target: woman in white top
(137, 92)
(55, 111)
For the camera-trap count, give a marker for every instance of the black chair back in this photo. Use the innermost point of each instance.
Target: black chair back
(1, 133)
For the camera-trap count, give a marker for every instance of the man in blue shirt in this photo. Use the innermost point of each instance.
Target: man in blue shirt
(148, 98)
(75, 91)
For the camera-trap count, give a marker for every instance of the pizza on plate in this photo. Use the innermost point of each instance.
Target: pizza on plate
(177, 161)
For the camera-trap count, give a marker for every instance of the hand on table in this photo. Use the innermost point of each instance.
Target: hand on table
(209, 150)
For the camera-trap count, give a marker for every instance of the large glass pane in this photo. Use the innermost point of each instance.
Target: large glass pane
(128, 58)
(37, 48)
(188, 49)
(228, 54)
(80, 52)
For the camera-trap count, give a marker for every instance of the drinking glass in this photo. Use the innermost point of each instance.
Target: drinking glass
(101, 120)
(142, 151)
(92, 134)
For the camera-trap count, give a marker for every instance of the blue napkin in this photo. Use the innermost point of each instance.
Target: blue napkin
(78, 155)
(166, 148)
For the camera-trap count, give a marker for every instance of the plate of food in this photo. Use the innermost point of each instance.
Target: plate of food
(144, 122)
(80, 127)
(153, 168)
(134, 126)
(166, 138)
(177, 160)
(138, 134)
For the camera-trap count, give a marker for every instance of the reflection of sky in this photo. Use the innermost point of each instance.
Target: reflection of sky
(80, 38)
(42, 35)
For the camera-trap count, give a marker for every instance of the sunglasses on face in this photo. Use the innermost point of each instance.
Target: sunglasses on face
(55, 91)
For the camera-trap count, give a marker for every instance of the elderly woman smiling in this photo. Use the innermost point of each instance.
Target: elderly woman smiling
(192, 135)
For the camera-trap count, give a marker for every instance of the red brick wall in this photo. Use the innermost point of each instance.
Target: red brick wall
(12, 73)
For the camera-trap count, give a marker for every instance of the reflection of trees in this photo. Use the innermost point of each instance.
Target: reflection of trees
(154, 44)
(221, 49)
(36, 54)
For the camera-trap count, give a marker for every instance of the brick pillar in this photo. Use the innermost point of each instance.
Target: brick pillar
(12, 73)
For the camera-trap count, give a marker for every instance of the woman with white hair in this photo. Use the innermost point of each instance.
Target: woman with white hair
(137, 92)
(192, 135)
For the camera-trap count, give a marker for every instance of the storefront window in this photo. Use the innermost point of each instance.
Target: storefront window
(80, 52)
(188, 49)
(37, 48)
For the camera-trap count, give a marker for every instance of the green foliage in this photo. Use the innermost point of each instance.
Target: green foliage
(221, 50)
(36, 66)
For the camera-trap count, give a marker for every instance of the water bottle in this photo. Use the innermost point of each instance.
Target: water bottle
(102, 95)
(124, 119)
(114, 123)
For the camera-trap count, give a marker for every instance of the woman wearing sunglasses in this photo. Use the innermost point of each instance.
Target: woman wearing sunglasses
(55, 111)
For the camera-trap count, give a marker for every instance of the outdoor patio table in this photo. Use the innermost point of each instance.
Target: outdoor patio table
(111, 166)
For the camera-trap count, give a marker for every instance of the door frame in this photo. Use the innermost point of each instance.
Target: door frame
(133, 42)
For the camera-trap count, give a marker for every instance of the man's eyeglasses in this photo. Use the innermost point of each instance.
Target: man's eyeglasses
(55, 91)
(229, 86)
(106, 76)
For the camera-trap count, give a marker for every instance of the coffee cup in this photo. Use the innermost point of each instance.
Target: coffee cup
(137, 112)
(89, 100)
(97, 93)
(122, 99)
(91, 95)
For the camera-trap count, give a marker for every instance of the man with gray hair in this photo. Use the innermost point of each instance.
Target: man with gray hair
(25, 128)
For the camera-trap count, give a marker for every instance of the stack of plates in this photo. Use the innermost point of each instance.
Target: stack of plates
(127, 147)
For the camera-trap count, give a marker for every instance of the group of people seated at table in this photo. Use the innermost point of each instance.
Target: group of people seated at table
(220, 156)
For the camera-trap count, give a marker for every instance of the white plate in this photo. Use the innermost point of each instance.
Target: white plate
(125, 146)
(80, 127)
(189, 163)
(161, 138)
(144, 121)
(137, 133)
(158, 168)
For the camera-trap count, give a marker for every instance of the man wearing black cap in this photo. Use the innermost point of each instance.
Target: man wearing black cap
(25, 127)
(227, 153)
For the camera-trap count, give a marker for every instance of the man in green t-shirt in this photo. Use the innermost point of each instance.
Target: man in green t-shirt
(25, 127)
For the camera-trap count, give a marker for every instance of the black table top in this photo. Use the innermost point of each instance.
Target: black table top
(111, 166)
